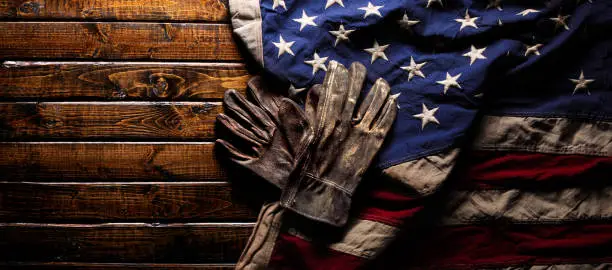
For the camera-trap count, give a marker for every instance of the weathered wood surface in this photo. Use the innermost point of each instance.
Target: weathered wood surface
(131, 266)
(123, 161)
(117, 40)
(124, 242)
(108, 120)
(120, 202)
(119, 80)
(99, 138)
(134, 10)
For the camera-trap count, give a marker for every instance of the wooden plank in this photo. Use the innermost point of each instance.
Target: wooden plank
(130, 10)
(117, 40)
(119, 80)
(125, 202)
(108, 120)
(124, 242)
(131, 266)
(123, 161)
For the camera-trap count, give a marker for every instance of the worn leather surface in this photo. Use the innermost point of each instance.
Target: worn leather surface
(317, 155)
(261, 131)
(344, 141)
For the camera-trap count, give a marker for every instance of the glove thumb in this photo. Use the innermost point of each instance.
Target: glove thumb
(293, 124)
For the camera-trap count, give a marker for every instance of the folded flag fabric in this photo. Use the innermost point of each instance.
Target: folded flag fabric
(524, 86)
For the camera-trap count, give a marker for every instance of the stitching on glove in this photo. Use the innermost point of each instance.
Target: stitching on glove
(329, 183)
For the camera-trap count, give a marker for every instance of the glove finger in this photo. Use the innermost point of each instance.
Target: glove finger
(331, 101)
(312, 99)
(235, 155)
(237, 131)
(261, 95)
(293, 124)
(378, 93)
(244, 109)
(385, 119)
(248, 114)
(357, 74)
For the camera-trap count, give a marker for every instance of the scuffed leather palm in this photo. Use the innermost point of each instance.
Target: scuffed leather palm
(262, 131)
(342, 144)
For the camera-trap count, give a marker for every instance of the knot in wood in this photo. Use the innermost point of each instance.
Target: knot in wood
(165, 85)
(121, 93)
(50, 122)
(161, 85)
(29, 7)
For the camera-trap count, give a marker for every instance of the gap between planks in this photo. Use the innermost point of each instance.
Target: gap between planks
(28, 63)
(143, 103)
(95, 265)
(112, 142)
(221, 183)
(132, 225)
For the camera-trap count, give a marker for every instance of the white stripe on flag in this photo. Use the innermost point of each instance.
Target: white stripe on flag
(520, 206)
(545, 135)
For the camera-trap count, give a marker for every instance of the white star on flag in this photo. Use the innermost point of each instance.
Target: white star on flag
(277, 3)
(341, 34)
(395, 97)
(377, 51)
(293, 91)
(467, 21)
(371, 10)
(474, 54)
(283, 46)
(450, 81)
(406, 23)
(527, 12)
(560, 21)
(427, 116)
(306, 20)
(317, 63)
(533, 49)
(494, 4)
(581, 83)
(434, 1)
(332, 2)
(414, 69)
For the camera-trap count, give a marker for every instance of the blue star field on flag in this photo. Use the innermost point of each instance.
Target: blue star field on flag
(451, 59)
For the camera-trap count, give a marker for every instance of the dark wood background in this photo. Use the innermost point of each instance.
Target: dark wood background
(107, 110)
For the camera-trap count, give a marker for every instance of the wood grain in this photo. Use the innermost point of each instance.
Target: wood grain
(109, 162)
(117, 40)
(114, 202)
(119, 80)
(108, 120)
(124, 242)
(133, 10)
(131, 266)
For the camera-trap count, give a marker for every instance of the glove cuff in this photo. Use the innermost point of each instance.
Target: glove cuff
(317, 199)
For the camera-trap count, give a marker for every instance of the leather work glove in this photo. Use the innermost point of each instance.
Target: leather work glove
(342, 142)
(263, 131)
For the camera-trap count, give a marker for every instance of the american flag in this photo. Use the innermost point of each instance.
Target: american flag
(516, 93)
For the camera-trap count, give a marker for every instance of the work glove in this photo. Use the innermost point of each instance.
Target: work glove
(262, 132)
(342, 142)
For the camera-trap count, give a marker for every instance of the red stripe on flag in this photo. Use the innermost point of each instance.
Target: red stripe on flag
(387, 203)
(292, 252)
(390, 217)
(488, 169)
(504, 245)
